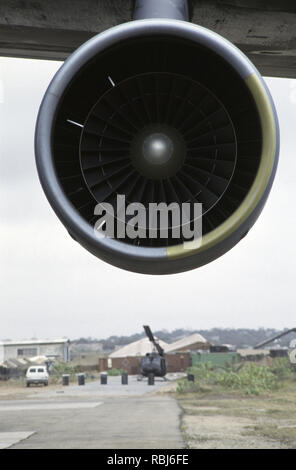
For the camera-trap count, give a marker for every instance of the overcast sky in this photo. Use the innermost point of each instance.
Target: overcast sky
(52, 287)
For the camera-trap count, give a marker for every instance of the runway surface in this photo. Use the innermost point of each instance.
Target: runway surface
(93, 416)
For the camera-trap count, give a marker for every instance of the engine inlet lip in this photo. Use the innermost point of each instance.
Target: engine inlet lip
(114, 251)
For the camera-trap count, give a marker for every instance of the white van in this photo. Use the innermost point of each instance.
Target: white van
(37, 375)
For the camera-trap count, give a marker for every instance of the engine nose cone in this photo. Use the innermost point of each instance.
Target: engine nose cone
(157, 149)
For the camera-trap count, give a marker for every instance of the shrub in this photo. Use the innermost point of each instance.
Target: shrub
(62, 368)
(282, 368)
(250, 378)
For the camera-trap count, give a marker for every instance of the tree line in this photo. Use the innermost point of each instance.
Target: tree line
(240, 337)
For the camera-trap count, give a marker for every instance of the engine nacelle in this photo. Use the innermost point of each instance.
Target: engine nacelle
(292, 357)
(158, 110)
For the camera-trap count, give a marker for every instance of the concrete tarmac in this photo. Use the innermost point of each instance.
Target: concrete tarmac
(87, 417)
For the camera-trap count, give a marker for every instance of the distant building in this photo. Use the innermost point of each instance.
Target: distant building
(137, 348)
(53, 349)
(189, 343)
(249, 353)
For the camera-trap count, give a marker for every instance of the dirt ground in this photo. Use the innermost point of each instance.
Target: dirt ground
(229, 420)
(17, 390)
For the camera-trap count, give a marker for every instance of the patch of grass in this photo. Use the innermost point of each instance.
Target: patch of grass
(19, 382)
(192, 387)
(249, 378)
(273, 414)
(202, 438)
(115, 372)
(283, 369)
(273, 411)
(283, 434)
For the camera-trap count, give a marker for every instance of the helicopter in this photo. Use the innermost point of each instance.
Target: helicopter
(153, 363)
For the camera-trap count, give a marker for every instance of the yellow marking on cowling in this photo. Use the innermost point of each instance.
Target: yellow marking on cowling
(258, 187)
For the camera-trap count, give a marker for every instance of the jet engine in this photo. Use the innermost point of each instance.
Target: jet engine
(158, 110)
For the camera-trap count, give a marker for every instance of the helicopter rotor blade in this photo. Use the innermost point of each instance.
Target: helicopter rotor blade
(149, 333)
(152, 339)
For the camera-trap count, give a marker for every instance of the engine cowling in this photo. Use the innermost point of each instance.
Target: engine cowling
(158, 89)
